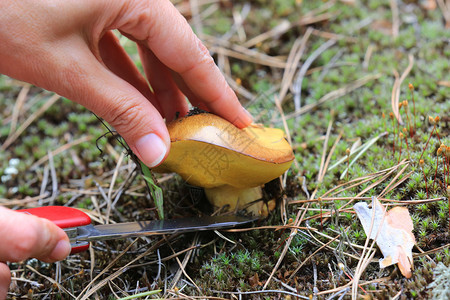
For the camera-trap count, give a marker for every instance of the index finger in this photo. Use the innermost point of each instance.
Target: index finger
(159, 26)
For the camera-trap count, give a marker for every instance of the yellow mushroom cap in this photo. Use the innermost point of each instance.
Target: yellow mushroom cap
(208, 151)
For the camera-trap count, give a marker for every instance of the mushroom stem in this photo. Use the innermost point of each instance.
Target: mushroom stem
(239, 198)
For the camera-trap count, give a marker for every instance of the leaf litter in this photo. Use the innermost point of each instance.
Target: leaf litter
(392, 231)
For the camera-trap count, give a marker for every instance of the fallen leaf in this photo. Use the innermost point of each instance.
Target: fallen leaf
(392, 231)
(254, 281)
(383, 26)
(429, 4)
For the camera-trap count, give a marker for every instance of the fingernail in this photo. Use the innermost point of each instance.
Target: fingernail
(61, 250)
(250, 117)
(151, 149)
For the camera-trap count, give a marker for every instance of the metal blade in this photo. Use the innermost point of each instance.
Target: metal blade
(157, 227)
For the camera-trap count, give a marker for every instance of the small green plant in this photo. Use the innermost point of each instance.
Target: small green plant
(425, 224)
(424, 209)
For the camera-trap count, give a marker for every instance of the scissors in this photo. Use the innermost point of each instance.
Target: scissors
(80, 230)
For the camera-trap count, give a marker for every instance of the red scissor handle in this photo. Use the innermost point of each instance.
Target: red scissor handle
(64, 217)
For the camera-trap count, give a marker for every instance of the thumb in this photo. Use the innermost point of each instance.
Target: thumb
(24, 236)
(5, 280)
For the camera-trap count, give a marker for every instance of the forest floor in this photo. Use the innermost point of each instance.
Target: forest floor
(332, 75)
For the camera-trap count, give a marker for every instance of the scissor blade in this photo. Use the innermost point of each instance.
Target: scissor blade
(157, 227)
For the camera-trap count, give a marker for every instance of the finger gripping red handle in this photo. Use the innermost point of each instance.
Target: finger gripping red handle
(64, 217)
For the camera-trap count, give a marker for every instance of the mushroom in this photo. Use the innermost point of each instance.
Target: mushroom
(231, 164)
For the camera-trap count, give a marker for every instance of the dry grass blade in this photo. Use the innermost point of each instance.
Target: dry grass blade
(373, 185)
(391, 185)
(360, 269)
(375, 281)
(334, 36)
(366, 256)
(226, 48)
(395, 18)
(395, 97)
(28, 201)
(283, 253)
(297, 86)
(357, 181)
(61, 149)
(322, 168)
(18, 107)
(293, 60)
(60, 287)
(111, 186)
(182, 265)
(330, 154)
(281, 28)
(356, 147)
(431, 251)
(312, 231)
(335, 94)
(285, 26)
(196, 19)
(367, 56)
(309, 257)
(286, 127)
(365, 147)
(298, 220)
(445, 9)
(11, 139)
(88, 291)
(55, 190)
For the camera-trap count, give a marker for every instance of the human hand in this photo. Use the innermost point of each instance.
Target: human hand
(68, 47)
(28, 236)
